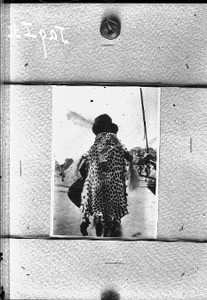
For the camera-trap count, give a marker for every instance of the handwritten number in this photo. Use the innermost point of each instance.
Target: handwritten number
(53, 35)
(28, 34)
(42, 33)
(61, 34)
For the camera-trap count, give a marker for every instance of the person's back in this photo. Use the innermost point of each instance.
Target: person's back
(106, 190)
(104, 193)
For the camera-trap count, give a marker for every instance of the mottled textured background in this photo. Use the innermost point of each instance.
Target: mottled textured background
(159, 43)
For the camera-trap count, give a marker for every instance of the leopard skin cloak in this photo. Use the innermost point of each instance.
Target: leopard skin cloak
(104, 193)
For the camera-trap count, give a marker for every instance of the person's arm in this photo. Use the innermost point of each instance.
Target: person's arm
(128, 156)
(84, 169)
(136, 160)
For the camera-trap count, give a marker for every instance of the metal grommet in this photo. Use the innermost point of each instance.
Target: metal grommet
(110, 28)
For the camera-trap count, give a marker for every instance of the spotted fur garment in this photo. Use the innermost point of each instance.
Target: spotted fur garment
(104, 193)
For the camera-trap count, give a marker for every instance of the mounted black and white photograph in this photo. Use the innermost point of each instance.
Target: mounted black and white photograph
(105, 162)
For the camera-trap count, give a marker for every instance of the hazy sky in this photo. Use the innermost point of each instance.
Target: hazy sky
(75, 108)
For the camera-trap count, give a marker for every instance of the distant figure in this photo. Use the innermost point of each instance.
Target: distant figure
(151, 183)
(147, 171)
(140, 168)
(104, 193)
(62, 172)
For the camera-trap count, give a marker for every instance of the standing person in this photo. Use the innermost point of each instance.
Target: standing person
(62, 172)
(104, 193)
(147, 171)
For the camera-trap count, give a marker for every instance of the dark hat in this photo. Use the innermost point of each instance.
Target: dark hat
(114, 128)
(103, 123)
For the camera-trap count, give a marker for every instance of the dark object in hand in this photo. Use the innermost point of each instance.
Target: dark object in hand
(75, 190)
(84, 169)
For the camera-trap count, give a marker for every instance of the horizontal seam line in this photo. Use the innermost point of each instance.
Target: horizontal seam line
(102, 239)
(85, 83)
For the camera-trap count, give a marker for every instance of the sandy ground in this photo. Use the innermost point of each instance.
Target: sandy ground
(141, 222)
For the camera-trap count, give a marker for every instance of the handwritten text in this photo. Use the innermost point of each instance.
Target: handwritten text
(56, 33)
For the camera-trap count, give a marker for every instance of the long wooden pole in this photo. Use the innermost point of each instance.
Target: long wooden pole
(144, 120)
